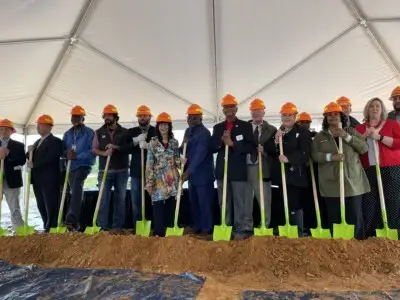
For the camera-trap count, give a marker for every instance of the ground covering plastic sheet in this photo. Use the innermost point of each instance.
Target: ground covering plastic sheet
(31, 282)
(350, 295)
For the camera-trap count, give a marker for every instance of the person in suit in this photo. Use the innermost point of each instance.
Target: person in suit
(199, 171)
(13, 153)
(395, 97)
(132, 142)
(262, 132)
(46, 177)
(345, 103)
(238, 136)
(296, 152)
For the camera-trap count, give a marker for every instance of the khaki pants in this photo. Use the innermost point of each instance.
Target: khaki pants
(12, 198)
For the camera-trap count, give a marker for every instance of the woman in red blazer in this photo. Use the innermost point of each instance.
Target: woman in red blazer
(386, 133)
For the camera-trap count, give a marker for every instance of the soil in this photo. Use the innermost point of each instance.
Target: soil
(269, 263)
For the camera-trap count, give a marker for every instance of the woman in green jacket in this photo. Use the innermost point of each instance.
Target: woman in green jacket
(325, 152)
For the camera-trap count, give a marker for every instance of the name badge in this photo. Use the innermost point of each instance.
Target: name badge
(239, 138)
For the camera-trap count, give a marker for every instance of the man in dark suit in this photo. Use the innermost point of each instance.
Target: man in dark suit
(199, 171)
(345, 103)
(46, 171)
(13, 154)
(238, 136)
(395, 97)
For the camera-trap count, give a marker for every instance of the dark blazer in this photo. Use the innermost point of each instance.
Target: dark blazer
(126, 146)
(242, 137)
(352, 122)
(392, 115)
(46, 160)
(200, 159)
(13, 164)
(296, 147)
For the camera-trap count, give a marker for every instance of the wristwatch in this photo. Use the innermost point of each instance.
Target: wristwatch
(381, 138)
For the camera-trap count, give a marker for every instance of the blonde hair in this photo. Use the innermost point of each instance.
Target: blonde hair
(384, 113)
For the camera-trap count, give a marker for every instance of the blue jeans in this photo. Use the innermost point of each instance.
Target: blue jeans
(136, 199)
(118, 180)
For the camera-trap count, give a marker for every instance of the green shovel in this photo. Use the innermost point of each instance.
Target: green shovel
(223, 232)
(343, 230)
(386, 232)
(2, 230)
(176, 231)
(287, 230)
(319, 232)
(263, 230)
(95, 229)
(60, 228)
(26, 229)
(143, 227)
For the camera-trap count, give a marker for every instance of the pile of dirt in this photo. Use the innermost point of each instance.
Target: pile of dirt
(269, 259)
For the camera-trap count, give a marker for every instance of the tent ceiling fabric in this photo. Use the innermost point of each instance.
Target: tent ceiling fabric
(55, 54)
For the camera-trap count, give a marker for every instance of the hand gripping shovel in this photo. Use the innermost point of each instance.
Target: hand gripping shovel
(319, 232)
(143, 227)
(386, 232)
(26, 229)
(287, 230)
(223, 232)
(342, 230)
(2, 230)
(95, 229)
(263, 230)
(176, 231)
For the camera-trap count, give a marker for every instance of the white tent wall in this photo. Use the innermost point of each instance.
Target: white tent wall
(56, 53)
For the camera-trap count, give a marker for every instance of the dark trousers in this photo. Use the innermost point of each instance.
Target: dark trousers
(201, 197)
(136, 199)
(76, 178)
(354, 214)
(163, 215)
(47, 194)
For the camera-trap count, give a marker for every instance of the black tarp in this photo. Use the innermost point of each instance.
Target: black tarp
(349, 295)
(31, 282)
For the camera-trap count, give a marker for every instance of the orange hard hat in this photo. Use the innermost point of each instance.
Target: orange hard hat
(194, 109)
(45, 119)
(289, 108)
(110, 109)
(7, 123)
(343, 101)
(164, 118)
(304, 117)
(257, 104)
(143, 110)
(78, 111)
(333, 107)
(228, 100)
(395, 92)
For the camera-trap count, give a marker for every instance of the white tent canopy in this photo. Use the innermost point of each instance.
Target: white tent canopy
(167, 54)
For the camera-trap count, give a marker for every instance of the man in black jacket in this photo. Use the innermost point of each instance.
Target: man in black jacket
(13, 154)
(46, 172)
(132, 142)
(395, 97)
(345, 103)
(238, 136)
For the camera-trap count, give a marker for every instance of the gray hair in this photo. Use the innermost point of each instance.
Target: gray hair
(384, 112)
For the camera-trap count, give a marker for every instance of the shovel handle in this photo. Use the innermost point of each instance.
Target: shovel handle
(315, 194)
(28, 189)
(64, 194)
(284, 186)
(224, 187)
(1, 184)
(103, 180)
(178, 196)
(341, 181)
(142, 183)
(260, 175)
(380, 185)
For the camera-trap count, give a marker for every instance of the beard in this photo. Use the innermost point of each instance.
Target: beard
(396, 107)
(108, 122)
(144, 122)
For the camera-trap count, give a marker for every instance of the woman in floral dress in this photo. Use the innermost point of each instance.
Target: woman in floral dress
(162, 173)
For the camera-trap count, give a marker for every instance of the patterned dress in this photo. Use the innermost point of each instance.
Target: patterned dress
(162, 169)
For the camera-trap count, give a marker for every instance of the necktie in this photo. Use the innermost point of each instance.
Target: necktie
(254, 155)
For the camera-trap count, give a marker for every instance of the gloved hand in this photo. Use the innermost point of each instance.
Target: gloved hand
(143, 145)
(142, 137)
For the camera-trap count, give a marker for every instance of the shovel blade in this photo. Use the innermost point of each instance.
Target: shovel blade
(222, 233)
(3, 232)
(92, 230)
(174, 231)
(60, 229)
(25, 230)
(387, 233)
(263, 231)
(143, 228)
(343, 231)
(320, 233)
(289, 231)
